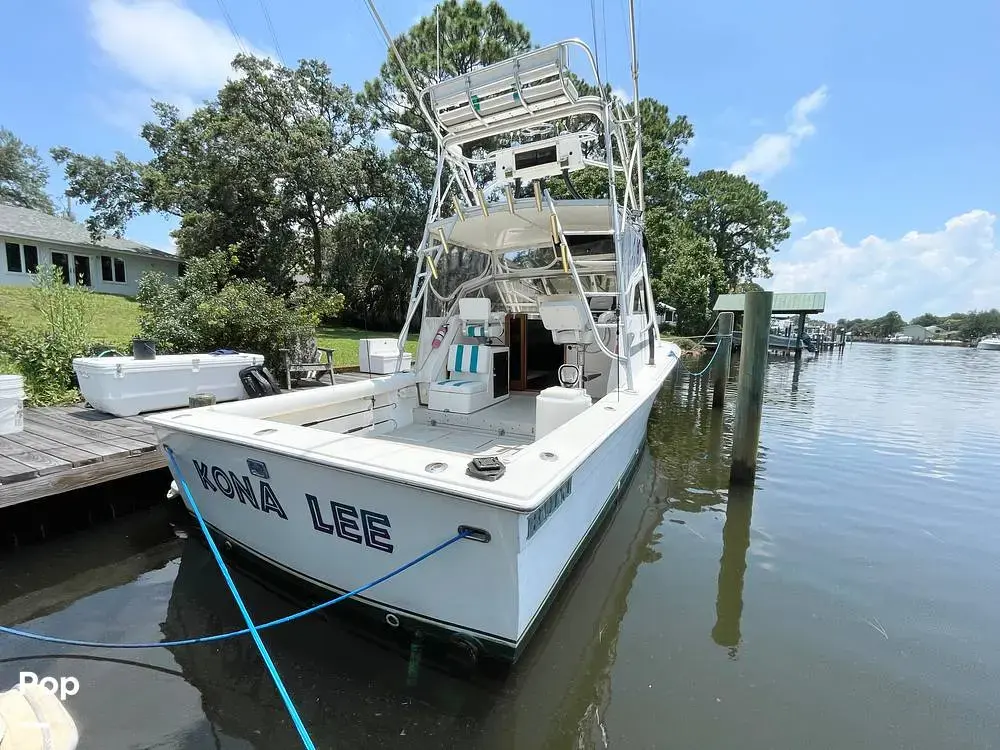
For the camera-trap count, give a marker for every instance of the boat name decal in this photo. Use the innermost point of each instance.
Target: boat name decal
(240, 487)
(541, 514)
(353, 524)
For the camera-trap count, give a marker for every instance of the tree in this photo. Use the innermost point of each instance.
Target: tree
(979, 323)
(683, 270)
(739, 219)
(23, 175)
(890, 323)
(927, 319)
(266, 168)
(472, 35)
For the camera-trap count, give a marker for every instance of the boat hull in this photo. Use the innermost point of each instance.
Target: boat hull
(990, 345)
(335, 530)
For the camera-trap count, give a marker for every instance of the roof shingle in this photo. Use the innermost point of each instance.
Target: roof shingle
(38, 225)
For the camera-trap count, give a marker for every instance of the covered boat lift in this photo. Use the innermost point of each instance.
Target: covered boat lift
(784, 303)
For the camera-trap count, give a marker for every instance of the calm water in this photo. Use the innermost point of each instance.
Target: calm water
(851, 601)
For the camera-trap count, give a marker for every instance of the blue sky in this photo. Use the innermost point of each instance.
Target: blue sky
(876, 123)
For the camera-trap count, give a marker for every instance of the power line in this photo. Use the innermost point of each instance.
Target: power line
(232, 26)
(270, 26)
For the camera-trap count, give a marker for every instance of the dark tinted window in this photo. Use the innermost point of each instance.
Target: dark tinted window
(14, 257)
(31, 259)
(119, 270)
(106, 272)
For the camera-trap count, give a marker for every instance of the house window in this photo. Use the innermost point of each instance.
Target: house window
(21, 258)
(112, 269)
(14, 258)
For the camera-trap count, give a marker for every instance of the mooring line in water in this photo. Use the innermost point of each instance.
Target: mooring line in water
(279, 684)
(245, 631)
(702, 371)
(251, 628)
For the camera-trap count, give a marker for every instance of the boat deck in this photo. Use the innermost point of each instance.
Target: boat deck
(499, 429)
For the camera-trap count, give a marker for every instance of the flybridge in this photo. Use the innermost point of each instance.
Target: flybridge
(507, 93)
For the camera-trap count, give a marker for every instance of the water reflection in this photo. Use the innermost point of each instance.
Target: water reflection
(732, 569)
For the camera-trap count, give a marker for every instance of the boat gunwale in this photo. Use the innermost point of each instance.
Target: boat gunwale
(493, 493)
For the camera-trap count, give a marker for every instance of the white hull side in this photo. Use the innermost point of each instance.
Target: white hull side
(550, 552)
(990, 345)
(495, 592)
(468, 587)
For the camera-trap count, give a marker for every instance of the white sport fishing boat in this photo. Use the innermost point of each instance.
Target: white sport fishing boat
(990, 343)
(526, 406)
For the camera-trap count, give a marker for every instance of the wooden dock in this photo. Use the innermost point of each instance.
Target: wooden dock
(65, 448)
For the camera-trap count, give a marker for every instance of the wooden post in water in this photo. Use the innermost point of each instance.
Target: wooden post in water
(724, 348)
(750, 390)
(802, 330)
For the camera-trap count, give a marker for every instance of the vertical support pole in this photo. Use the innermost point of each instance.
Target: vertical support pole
(798, 339)
(750, 393)
(722, 360)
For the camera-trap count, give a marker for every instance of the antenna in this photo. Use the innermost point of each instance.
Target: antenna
(635, 101)
(402, 65)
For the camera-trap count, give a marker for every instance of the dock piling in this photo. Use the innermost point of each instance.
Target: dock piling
(750, 390)
(724, 346)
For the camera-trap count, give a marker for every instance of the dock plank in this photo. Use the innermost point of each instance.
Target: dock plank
(40, 462)
(76, 456)
(57, 434)
(12, 470)
(95, 435)
(89, 418)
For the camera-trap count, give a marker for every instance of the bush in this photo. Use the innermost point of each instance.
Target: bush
(206, 310)
(44, 355)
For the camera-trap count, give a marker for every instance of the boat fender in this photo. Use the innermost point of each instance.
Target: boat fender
(488, 468)
(466, 651)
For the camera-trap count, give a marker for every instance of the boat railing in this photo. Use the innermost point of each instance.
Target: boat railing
(513, 94)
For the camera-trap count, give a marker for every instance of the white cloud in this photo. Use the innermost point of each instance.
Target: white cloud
(772, 152)
(625, 96)
(954, 269)
(167, 51)
(796, 218)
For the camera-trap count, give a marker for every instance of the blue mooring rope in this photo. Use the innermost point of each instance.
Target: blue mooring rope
(278, 683)
(251, 628)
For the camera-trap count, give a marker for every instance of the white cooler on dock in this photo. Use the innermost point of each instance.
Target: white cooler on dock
(11, 404)
(125, 386)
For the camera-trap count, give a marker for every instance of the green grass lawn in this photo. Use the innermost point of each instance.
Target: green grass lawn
(116, 321)
(344, 342)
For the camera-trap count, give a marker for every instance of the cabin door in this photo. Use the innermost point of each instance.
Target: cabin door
(534, 358)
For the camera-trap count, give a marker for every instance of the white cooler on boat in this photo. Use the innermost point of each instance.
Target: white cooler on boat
(555, 406)
(11, 404)
(124, 386)
(381, 356)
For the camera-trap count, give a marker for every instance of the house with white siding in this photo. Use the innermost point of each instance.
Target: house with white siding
(30, 238)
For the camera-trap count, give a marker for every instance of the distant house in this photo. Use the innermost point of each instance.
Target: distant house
(113, 266)
(915, 333)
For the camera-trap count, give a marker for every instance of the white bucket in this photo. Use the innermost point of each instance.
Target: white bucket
(11, 404)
